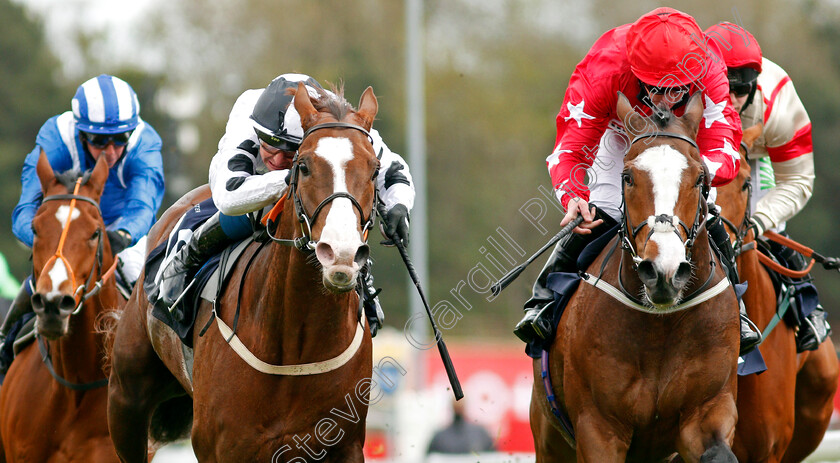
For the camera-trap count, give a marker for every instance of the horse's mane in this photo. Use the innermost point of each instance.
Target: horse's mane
(661, 116)
(332, 101)
(68, 178)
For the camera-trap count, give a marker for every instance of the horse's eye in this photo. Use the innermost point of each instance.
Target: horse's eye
(375, 174)
(701, 179)
(303, 168)
(34, 232)
(95, 235)
(627, 178)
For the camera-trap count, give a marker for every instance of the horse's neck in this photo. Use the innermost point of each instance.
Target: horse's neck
(78, 357)
(293, 302)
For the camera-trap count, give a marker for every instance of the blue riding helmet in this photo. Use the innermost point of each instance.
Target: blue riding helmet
(106, 105)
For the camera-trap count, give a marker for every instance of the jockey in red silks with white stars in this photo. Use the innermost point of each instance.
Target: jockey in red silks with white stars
(662, 58)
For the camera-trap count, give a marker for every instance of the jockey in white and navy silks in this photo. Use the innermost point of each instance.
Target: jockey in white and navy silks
(104, 121)
(781, 158)
(248, 174)
(241, 182)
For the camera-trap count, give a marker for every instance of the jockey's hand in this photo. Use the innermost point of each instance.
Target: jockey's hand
(120, 239)
(581, 206)
(396, 226)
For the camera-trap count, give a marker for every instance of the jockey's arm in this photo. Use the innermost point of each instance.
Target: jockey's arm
(236, 187)
(719, 135)
(48, 140)
(394, 179)
(143, 173)
(787, 134)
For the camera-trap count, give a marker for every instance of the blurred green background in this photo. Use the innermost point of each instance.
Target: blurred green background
(495, 74)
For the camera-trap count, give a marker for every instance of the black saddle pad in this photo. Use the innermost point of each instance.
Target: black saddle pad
(564, 286)
(182, 318)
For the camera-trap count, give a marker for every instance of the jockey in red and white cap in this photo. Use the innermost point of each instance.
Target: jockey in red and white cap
(782, 158)
(662, 58)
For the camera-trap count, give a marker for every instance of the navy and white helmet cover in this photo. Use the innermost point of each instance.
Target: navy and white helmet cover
(106, 105)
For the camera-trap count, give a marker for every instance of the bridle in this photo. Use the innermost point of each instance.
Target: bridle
(81, 294)
(744, 227)
(305, 243)
(628, 232)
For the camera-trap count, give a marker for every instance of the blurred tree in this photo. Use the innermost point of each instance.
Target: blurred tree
(30, 94)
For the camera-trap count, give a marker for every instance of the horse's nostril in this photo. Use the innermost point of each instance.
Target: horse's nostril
(66, 304)
(37, 302)
(647, 272)
(325, 253)
(682, 275)
(362, 255)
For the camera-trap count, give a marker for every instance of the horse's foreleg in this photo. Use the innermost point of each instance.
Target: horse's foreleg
(134, 388)
(598, 441)
(707, 435)
(816, 384)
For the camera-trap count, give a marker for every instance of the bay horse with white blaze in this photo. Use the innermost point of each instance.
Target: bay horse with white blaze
(785, 411)
(649, 369)
(293, 390)
(53, 400)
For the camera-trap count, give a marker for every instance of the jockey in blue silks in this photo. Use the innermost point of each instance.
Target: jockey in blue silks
(104, 121)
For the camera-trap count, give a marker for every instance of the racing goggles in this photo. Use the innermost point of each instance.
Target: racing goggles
(672, 94)
(277, 142)
(101, 140)
(741, 80)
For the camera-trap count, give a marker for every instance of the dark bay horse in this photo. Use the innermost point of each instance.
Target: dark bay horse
(298, 314)
(784, 412)
(650, 369)
(55, 409)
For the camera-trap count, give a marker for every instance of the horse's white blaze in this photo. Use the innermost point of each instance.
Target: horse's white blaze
(340, 230)
(63, 211)
(665, 166)
(58, 275)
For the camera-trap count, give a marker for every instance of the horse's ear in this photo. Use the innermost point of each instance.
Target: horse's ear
(694, 112)
(304, 107)
(634, 123)
(368, 106)
(99, 176)
(45, 171)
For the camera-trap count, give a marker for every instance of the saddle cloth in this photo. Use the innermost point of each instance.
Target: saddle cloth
(207, 280)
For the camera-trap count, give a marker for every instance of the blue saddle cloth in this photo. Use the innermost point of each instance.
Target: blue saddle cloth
(182, 318)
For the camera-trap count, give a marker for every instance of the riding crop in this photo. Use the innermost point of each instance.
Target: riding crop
(444, 352)
(514, 273)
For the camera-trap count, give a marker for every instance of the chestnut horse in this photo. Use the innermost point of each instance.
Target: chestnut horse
(298, 311)
(649, 369)
(785, 411)
(53, 401)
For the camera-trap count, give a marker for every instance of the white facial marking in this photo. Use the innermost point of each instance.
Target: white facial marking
(340, 230)
(58, 275)
(63, 211)
(665, 166)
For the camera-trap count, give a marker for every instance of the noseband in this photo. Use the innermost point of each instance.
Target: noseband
(59, 253)
(628, 232)
(305, 242)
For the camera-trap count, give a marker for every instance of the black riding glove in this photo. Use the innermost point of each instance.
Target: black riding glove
(396, 226)
(120, 239)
